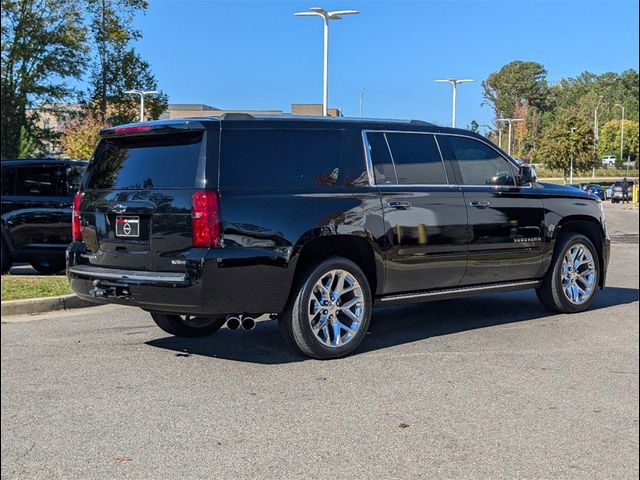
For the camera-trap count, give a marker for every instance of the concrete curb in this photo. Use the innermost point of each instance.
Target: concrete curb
(41, 305)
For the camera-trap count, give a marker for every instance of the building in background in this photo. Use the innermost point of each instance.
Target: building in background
(313, 109)
(185, 110)
(53, 119)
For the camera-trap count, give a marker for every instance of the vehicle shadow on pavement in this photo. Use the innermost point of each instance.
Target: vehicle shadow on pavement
(390, 326)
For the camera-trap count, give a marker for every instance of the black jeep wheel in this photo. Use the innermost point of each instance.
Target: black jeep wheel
(47, 268)
(5, 259)
(188, 325)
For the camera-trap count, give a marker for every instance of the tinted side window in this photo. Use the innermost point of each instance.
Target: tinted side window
(383, 169)
(39, 180)
(417, 159)
(74, 178)
(280, 158)
(475, 162)
(8, 180)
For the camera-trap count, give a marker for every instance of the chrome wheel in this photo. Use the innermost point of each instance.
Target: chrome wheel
(578, 274)
(336, 308)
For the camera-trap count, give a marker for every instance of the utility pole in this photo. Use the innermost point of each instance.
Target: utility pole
(510, 122)
(326, 16)
(362, 102)
(142, 94)
(454, 83)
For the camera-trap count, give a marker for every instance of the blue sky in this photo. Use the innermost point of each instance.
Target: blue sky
(242, 54)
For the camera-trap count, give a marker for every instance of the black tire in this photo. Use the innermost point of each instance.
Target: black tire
(187, 325)
(48, 268)
(550, 293)
(5, 258)
(295, 324)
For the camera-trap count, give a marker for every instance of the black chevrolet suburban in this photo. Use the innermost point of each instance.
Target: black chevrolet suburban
(316, 221)
(37, 195)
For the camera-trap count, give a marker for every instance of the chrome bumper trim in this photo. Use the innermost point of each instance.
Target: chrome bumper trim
(119, 275)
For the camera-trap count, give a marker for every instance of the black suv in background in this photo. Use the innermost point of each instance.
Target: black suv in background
(37, 197)
(316, 221)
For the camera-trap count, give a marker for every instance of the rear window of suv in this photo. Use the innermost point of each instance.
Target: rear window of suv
(272, 158)
(145, 163)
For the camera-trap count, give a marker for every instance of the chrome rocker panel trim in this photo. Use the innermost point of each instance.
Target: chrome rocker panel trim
(446, 293)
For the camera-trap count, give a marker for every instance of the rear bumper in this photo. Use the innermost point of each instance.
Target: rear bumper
(213, 282)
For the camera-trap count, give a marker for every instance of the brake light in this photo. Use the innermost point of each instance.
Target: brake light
(135, 128)
(205, 219)
(76, 224)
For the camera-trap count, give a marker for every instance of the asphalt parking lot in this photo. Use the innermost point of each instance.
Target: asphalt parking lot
(485, 387)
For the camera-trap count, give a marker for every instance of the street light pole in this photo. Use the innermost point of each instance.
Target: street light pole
(596, 135)
(510, 122)
(142, 94)
(362, 102)
(573, 129)
(454, 83)
(326, 16)
(621, 132)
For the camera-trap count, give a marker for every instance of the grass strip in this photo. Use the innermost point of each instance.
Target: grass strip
(17, 287)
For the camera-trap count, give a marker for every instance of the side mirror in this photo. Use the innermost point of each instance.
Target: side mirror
(527, 175)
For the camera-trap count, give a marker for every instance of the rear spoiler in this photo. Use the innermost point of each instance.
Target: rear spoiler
(155, 127)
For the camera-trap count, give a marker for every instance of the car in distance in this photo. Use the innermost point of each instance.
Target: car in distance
(617, 195)
(595, 189)
(609, 161)
(37, 198)
(316, 221)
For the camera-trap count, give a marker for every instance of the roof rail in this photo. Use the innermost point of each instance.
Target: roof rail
(421, 122)
(236, 116)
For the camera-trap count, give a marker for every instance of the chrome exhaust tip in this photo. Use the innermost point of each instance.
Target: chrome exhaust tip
(248, 323)
(233, 323)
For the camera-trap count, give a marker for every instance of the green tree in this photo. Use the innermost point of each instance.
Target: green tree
(565, 140)
(516, 84)
(609, 140)
(43, 45)
(118, 67)
(26, 146)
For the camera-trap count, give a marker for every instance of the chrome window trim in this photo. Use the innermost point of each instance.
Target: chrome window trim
(393, 160)
(369, 162)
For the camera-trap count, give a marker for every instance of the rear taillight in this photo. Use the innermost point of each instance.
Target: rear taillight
(76, 224)
(133, 129)
(205, 219)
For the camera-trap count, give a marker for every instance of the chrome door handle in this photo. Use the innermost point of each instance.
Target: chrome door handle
(398, 204)
(479, 204)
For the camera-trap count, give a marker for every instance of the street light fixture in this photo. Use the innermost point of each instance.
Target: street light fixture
(142, 94)
(621, 132)
(454, 83)
(510, 122)
(326, 16)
